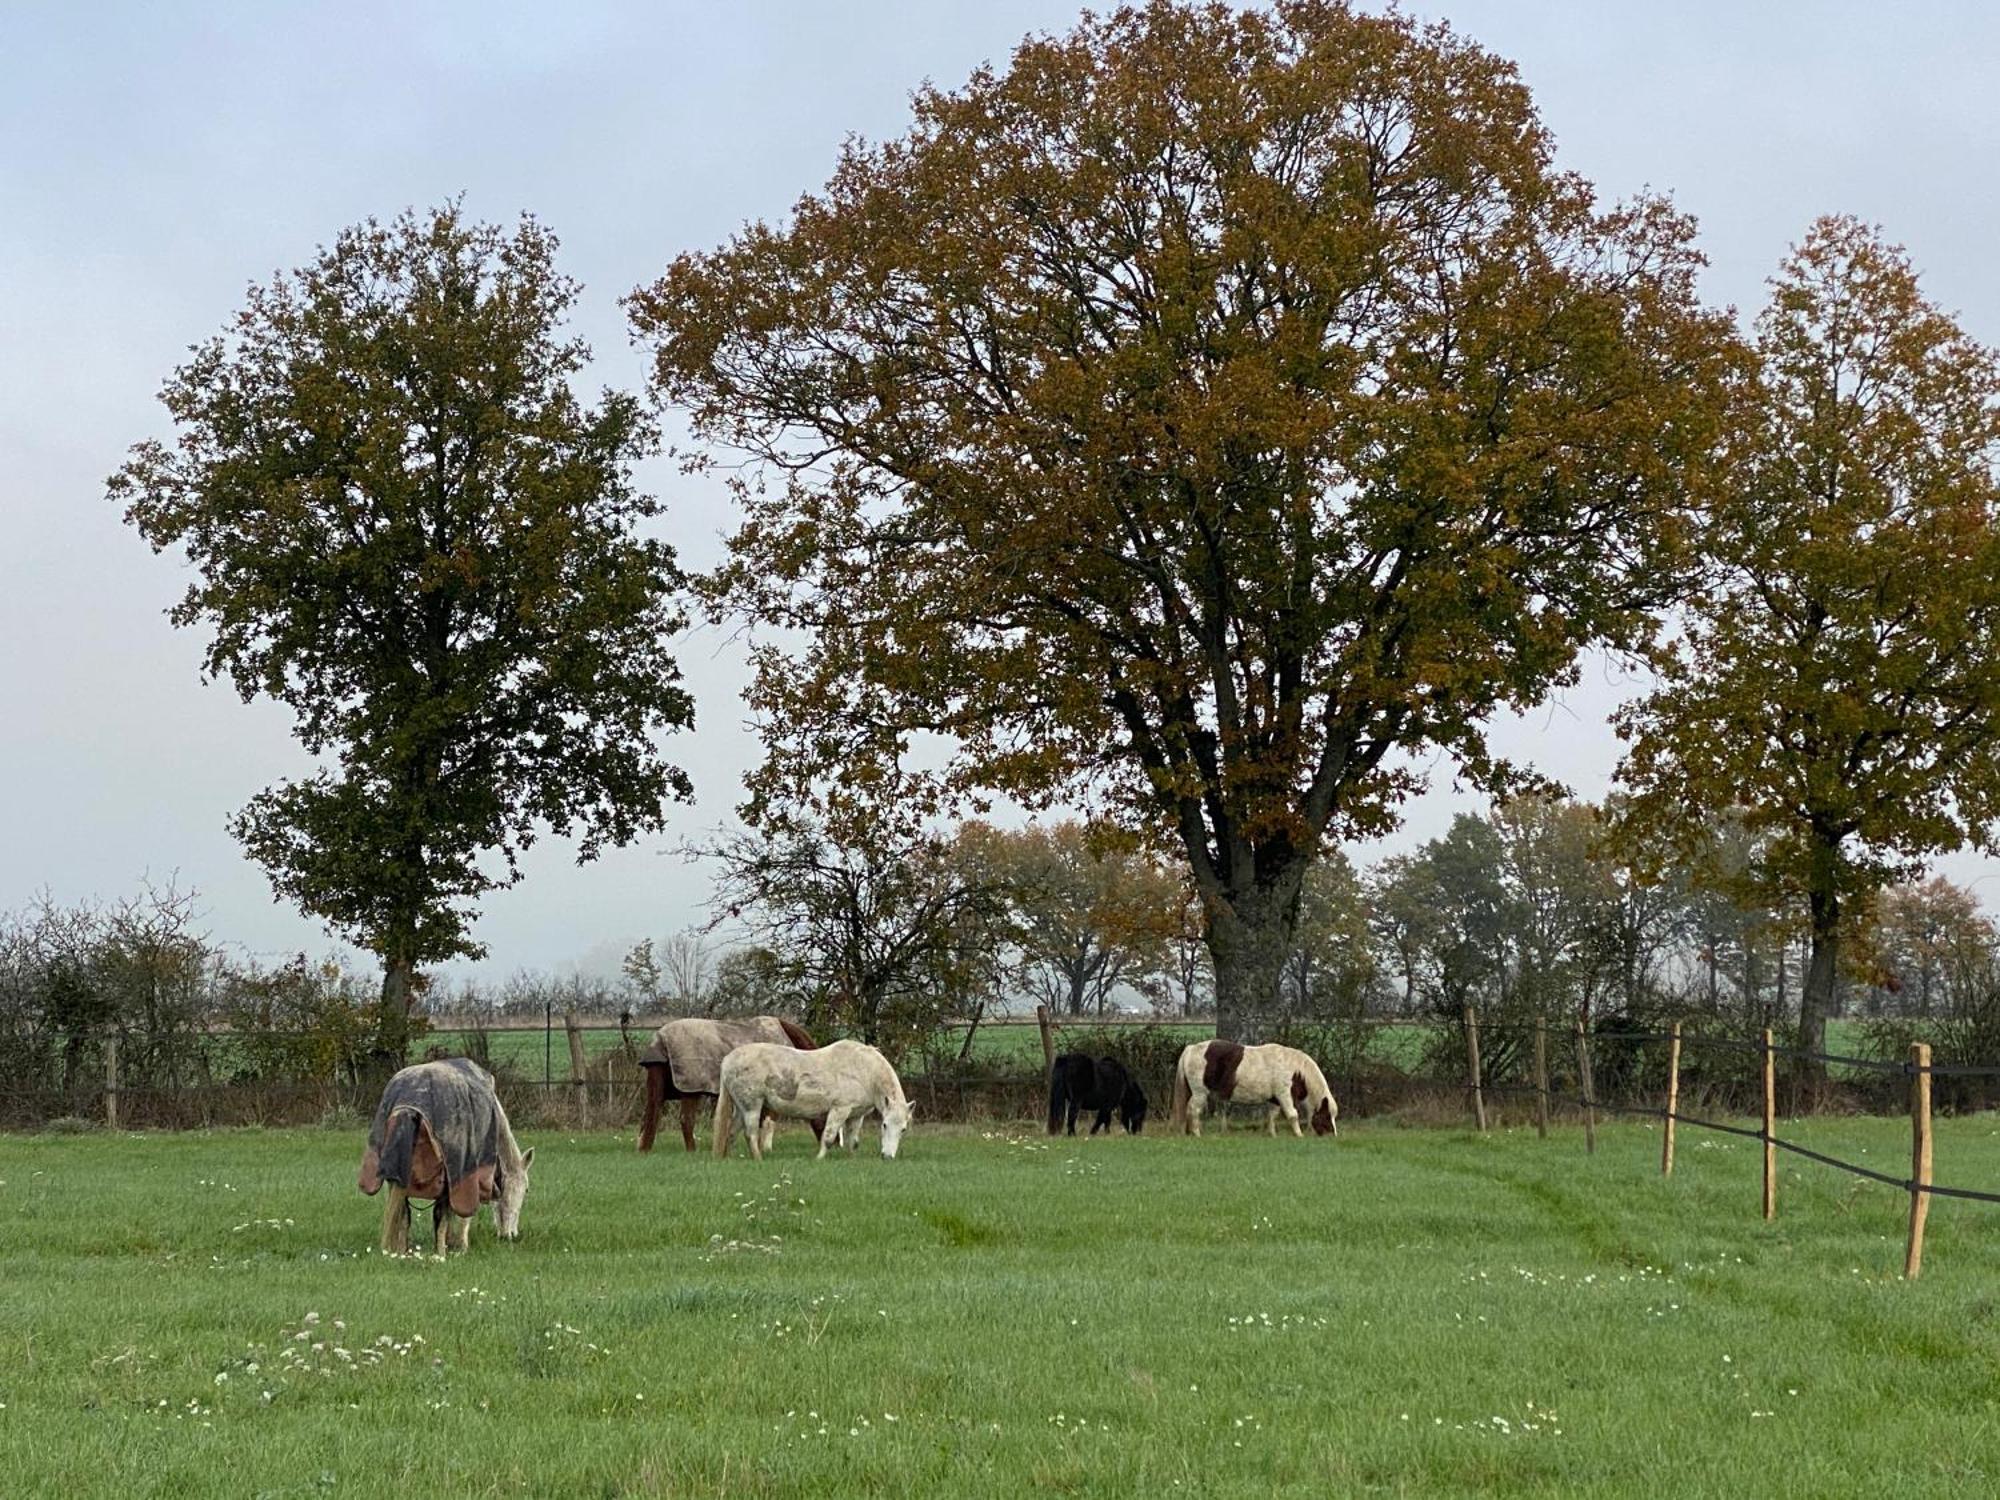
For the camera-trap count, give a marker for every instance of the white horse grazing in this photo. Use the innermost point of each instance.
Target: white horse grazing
(842, 1081)
(1284, 1077)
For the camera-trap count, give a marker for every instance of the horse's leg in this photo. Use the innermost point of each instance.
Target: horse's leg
(836, 1126)
(396, 1222)
(458, 1232)
(1196, 1103)
(770, 1129)
(1103, 1121)
(440, 1225)
(689, 1103)
(753, 1129)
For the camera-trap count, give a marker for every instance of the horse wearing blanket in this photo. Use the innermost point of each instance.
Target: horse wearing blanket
(440, 1134)
(841, 1081)
(684, 1062)
(1284, 1077)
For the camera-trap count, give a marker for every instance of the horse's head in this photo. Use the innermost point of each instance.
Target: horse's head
(895, 1120)
(513, 1188)
(1132, 1109)
(1325, 1117)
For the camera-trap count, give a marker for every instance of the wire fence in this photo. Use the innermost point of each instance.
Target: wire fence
(1917, 1070)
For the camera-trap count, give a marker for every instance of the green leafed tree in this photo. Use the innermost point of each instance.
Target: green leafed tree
(407, 528)
(1193, 419)
(1839, 676)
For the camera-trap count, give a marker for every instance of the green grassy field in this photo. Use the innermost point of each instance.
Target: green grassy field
(1403, 1312)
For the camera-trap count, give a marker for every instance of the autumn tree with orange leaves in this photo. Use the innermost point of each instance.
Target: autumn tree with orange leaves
(1839, 678)
(1193, 420)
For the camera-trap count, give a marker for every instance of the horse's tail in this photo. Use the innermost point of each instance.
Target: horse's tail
(797, 1036)
(725, 1121)
(656, 1095)
(1058, 1095)
(1178, 1113)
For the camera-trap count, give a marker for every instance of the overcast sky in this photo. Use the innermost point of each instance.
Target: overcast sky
(154, 159)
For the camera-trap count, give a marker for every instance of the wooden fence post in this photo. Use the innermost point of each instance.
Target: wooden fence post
(1048, 1043)
(579, 1069)
(1920, 1156)
(1770, 1129)
(1542, 1076)
(1472, 1068)
(1589, 1087)
(1673, 1099)
(111, 1082)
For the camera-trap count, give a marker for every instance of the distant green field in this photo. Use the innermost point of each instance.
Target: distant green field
(1400, 1312)
(1009, 1042)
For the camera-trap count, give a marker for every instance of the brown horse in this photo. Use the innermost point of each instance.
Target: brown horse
(684, 1062)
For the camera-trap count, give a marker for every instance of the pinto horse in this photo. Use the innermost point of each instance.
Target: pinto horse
(1283, 1077)
(684, 1062)
(1079, 1082)
(840, 1083)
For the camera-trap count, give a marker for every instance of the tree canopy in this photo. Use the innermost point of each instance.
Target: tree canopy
(1838, 679)
(408, 530)
(1194, 415)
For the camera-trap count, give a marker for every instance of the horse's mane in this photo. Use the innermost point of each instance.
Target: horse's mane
(797, 1035)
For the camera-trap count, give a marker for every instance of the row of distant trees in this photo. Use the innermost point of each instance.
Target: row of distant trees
(1540, 907)
(1204, 419)
(1530, 910)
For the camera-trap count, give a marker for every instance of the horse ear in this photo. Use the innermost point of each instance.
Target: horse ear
(528, 1158)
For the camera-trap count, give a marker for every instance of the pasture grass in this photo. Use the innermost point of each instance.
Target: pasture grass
(1403, 1312)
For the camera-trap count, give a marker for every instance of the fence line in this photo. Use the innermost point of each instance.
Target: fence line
(1918, 1068)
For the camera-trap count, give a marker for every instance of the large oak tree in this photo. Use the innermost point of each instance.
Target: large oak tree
(1839, 677)
(1194, 415)
(407, 529)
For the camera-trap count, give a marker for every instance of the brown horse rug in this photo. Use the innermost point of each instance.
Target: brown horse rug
(692, 1048)
(437, 1134)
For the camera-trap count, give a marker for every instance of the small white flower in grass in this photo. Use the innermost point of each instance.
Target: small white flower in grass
(222, 1377)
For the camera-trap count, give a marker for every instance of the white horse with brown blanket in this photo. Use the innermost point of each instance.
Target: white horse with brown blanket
(841, 1081)
(440, 1134)
(1284, 1077)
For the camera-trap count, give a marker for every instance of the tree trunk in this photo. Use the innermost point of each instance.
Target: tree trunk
(1250, 941)
(392, 1032)
(1821, 993)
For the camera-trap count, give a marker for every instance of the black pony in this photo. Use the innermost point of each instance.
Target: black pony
(1081, 1082)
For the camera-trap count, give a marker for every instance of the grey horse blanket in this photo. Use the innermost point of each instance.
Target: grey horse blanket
(437, 1134)
(693, 1048)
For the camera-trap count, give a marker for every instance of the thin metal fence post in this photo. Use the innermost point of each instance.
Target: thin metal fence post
(111, 1081)
(1770, 1129)
(1542, 1076)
